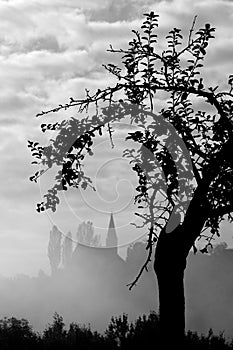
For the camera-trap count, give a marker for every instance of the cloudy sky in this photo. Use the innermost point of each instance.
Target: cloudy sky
(51, 50)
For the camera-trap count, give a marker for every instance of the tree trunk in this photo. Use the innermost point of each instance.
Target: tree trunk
(169, 266)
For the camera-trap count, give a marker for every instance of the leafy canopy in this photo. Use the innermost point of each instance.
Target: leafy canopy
(183, 162)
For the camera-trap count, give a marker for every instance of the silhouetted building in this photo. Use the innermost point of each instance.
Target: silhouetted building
(99, 261)
(111, 240)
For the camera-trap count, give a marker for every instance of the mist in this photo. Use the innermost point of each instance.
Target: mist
(78, 297)
(91, 291)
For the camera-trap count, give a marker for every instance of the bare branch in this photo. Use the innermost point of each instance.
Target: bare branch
(191, 30)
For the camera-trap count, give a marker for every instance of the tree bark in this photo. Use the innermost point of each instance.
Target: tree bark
(169, 266)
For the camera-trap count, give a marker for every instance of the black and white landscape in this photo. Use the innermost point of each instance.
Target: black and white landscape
(78, 260)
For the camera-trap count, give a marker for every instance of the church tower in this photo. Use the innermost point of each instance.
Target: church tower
(111, 240)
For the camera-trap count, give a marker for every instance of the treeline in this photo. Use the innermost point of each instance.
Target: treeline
(119, 335)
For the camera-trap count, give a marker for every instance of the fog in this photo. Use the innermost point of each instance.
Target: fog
(209, 291)
(76, 296)
(93, 292)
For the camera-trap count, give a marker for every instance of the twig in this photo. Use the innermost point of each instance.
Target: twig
(191, 30)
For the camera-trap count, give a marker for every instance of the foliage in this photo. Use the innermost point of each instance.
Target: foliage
(82, 337)
(54, 335)
(54, 248)
(86, 235)
(211, 341)
(17, 334)
(184, 163)
(118, 330)
(120, 335)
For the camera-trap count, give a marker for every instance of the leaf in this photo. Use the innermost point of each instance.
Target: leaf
(230, 80)
(84, 185)
(204, 250)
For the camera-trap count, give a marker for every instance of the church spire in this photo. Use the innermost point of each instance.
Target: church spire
(111, 240)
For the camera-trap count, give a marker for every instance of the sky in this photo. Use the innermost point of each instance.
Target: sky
(51, 50)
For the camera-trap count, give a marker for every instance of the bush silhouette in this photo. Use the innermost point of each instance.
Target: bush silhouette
(17, 334)
(54, 336)
(119, 335)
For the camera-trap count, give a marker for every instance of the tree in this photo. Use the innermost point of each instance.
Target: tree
(67, 250)
(17, 334)
(184, 163)
(117, 331)
(54, 249)
(86, 235)
(54, 335)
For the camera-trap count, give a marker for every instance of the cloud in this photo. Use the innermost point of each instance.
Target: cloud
(11, 104)
(123, 10)
(43, 43)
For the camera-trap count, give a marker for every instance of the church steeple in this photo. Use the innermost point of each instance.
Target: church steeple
(111, 240)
